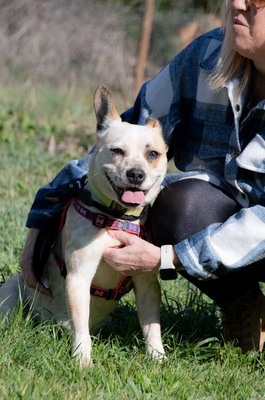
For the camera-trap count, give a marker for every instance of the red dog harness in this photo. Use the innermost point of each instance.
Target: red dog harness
(101, 221)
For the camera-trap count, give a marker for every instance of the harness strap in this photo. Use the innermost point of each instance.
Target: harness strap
(104, 221)
(123, 287)
(101, 221)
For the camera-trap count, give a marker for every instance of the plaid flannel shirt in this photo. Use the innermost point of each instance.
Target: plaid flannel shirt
(212, 136)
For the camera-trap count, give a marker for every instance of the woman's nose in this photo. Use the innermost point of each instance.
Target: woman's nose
(240, 5)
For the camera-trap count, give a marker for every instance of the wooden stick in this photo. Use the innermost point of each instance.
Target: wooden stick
(145, 43)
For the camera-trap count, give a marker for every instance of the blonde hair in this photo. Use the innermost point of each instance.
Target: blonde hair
(230, 63)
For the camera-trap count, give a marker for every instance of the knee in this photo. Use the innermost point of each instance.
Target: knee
(186, 207)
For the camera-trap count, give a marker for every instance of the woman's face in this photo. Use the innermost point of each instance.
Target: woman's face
(248, 29)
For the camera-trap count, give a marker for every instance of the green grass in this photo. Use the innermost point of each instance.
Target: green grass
(35, 360)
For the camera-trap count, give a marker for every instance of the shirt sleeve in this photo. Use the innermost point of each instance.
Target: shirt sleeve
(226, 247)
(41, 210)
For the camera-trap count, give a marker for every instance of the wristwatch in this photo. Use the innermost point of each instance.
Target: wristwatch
(167, 268)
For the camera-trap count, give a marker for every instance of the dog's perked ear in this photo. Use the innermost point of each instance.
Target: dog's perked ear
(104, 107)
(153, 123)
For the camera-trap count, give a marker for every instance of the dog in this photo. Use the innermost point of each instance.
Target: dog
(126, 170)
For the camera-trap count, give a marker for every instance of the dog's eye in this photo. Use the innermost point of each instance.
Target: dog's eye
(117, 151)
(152, 155)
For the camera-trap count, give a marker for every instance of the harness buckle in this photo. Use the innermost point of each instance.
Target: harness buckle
(100, 220)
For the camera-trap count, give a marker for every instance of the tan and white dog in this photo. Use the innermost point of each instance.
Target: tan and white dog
(126, 170)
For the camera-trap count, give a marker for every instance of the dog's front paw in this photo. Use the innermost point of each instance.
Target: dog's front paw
(82, 354)
(160, 357)
(157, 354)
(84, 360)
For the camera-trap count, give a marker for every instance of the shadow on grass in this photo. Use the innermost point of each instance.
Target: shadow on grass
(192, 323)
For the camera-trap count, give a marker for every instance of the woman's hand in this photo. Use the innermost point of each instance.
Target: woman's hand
(133, 256)
(26, 263)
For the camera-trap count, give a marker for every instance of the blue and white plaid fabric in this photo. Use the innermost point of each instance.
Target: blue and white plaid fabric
(212, 136)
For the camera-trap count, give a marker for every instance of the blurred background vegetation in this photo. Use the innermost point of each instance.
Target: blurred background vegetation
(82, 43)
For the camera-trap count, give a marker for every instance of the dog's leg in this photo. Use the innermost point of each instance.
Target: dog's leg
(78, 281)
(148, 299)
(78, 302)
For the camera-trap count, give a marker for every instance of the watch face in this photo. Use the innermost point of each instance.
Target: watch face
(167, 274)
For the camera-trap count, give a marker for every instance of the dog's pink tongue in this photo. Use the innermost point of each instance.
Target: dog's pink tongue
(133, 197)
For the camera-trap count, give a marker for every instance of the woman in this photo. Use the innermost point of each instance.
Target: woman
(210, 102)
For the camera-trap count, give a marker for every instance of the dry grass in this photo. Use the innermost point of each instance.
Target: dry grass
(65, 41)
(84, 42)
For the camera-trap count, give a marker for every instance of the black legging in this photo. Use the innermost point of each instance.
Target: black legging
(186, 207)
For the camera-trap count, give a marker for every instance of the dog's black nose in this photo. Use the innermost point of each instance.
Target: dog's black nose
(135, 175)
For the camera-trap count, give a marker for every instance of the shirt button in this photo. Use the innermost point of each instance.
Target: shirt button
(234, 154)
(237, 107)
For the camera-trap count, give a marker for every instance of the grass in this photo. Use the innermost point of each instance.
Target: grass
(35, 360)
